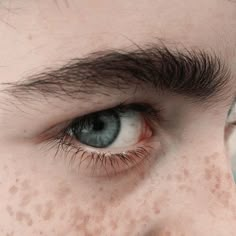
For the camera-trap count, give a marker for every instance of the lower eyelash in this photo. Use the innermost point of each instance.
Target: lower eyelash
(111, 163)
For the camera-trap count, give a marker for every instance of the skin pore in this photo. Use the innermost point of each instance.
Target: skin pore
(185, 187)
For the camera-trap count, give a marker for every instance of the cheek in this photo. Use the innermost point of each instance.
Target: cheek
(39, 196)
(54, 202)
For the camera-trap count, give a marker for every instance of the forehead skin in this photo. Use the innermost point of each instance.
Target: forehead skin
(37, 33)
(41, 198)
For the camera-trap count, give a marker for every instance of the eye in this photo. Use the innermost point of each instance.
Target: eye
(109, 129)
(108, 141)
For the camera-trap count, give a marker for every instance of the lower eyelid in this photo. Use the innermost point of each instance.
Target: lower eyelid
(96, 163)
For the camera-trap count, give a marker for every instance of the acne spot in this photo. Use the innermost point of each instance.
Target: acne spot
(13, 190)
(24, 218)
(114, 224)
(156, 208)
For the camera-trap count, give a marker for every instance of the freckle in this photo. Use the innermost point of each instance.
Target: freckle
(208, 174)
(38, 209)
(25, 200)
(207, 160)
(10, 234)
(13, 190)
(178, 177)
(100, 208)
(186, 173)
(145, 219)
(24, 217)
(169, 177)
(48, 212)
(63, 191)
(25, 185)
(100, 189)
(142, 175)
(228, 176)
(9, 210)
(167, 233)
(30, 37)
(213, 191)
(217, 186)
(98, 231)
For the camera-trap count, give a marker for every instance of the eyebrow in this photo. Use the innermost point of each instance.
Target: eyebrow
(197, 74)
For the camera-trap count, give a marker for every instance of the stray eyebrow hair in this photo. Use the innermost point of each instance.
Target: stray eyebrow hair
(197, 74)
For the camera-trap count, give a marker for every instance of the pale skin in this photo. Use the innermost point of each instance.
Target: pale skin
(187, 188)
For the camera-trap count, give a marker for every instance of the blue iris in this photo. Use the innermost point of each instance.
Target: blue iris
(98, 130)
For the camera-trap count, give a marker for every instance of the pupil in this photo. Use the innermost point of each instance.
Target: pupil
(98, 125)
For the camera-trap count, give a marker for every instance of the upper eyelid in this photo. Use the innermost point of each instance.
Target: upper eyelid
(154, 114)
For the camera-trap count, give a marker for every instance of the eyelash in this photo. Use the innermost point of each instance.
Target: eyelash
(75, 155)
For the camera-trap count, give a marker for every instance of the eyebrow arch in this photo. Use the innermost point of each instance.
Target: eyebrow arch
(197, 74)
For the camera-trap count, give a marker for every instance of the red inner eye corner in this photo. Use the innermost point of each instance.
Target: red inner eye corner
(146, 131)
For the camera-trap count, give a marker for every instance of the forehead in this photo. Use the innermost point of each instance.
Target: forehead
(42, 33)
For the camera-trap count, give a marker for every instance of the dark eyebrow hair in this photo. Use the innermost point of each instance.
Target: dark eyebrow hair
(194, 73)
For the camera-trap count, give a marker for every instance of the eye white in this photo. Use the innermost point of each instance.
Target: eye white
(130, 129)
